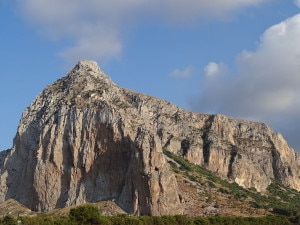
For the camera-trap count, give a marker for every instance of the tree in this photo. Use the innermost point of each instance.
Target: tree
(85, 215)
(9, 220)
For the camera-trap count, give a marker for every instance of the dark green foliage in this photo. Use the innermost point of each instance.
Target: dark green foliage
(280, 200)
(256, 205)
(284, 200)
(9, 220)
(224, 191)
(104, 221)
(211, 184)
(148, 220)
(281, 211)
(62, 221)
(277, 220)
(85, 215)
(182, 220)
(157, 220)
(131, 220)
(200, 221)
(44, 220)
(295, 220)
(169, 220)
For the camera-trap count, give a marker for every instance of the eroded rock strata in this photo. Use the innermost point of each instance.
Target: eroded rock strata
(84, 139)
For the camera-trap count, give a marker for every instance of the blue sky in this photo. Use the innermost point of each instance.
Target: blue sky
(238, 58)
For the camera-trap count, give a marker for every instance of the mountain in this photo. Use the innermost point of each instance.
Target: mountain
(85, 139)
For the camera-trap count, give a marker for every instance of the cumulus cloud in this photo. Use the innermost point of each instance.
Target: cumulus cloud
(215, 69)
(95, 27)
(92, 29)
(267, 84)
(297, 2)
(185, 73)
(103, 47)
(181, 11)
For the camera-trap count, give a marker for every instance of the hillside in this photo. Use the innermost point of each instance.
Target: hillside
(85, 139)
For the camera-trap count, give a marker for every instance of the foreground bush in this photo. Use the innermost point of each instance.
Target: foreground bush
(9, 220)
(90, 215)
(85, 215)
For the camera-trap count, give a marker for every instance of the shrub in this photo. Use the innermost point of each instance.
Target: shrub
(182, 219)
(85, 215)
(104, 221)
(146, 220)
(62, 221)
(201, 221)
(169, 220)
(131, 220)
(9, 220)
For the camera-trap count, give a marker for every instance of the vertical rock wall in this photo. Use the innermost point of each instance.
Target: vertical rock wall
(84, 139)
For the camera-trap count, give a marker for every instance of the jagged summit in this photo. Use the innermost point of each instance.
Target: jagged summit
(82, 64)
(85, 76)
(85, 83)
(88, 68)
(85, 139)
(87, 73)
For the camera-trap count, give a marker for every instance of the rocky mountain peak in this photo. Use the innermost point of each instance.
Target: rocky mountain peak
(87, 64)
(84, 84)
(87, 75)
(84, 139)
(89, 68)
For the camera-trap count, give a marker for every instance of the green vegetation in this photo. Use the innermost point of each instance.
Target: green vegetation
(282, 201)
(9, 220)
(279, 200)
(85, 215)
(89, 214)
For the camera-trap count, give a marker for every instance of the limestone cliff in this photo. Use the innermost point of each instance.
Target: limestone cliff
(84, 139)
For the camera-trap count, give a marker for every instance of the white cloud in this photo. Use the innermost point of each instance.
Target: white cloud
(185, 73)
(86, 22)
(98, 47)
(297, 2)
(267, 84)
(214, 69)
(178, 10)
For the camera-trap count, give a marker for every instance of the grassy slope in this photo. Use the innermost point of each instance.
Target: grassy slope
(278, 199)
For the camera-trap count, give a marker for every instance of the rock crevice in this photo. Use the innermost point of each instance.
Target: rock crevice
(84, 139)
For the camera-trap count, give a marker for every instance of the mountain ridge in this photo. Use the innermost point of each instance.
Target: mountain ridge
(85, 139)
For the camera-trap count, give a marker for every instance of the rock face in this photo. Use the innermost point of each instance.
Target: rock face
(84, 139)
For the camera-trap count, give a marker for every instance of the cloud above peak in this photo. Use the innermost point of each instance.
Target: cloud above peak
(88, 23)
(297, 2)
(267, 85)
(214, 69)
(184, 73)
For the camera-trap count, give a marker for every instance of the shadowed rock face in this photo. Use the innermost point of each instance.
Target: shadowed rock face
(78, 142)
(84, 139)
